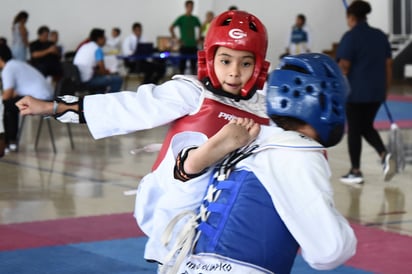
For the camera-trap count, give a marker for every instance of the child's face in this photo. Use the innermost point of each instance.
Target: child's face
(233, 68)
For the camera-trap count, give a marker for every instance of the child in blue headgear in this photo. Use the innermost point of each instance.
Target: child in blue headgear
(266, 200)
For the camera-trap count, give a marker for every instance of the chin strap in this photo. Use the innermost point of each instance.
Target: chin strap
(206, 81)
(70, 116)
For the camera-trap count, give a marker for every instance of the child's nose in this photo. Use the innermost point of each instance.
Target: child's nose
(235, 70)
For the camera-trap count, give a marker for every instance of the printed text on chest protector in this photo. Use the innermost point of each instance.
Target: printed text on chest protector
(226, 116)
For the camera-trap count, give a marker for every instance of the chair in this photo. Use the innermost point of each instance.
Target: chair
(71, 83)
(64, 85)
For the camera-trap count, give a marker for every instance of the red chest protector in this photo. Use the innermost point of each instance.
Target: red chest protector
(211, 117)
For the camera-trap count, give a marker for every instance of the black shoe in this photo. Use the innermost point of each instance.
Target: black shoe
(352, 178)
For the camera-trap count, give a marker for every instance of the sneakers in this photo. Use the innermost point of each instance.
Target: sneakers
(352, 178)
(13, 147)
(389, 167)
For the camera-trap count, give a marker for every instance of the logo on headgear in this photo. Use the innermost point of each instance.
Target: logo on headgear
(237, 33)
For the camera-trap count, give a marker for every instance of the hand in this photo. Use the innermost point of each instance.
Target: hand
(31, 106)
(235, 134)
(241, 131)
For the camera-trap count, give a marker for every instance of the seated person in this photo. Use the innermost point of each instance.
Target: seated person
(2, 136)
(45, 55)
(276, 190)
(19, 79)
(90, 61)
(153, 70)
(54, 38)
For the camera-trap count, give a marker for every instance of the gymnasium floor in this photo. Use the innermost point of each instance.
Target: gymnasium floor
(68, 212)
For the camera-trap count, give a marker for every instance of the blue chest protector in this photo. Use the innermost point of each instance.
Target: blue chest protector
(299, 36)
(243, 224)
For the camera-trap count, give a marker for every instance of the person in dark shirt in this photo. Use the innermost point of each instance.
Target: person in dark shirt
(364, 55)
(45, 55)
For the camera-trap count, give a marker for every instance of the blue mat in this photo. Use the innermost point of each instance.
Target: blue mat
(399, 110)
(114, 256)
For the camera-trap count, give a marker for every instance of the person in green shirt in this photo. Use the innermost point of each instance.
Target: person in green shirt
(187, 24)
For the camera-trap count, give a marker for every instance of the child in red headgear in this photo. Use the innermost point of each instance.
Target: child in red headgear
(231, 68)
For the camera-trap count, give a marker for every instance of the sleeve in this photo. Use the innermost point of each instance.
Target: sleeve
(1, 118)
(99, 55)
(151, 106)
(7, 77)
(303, 196)
(160, 197)
(388, 47)
(176, 22)
(346, 48)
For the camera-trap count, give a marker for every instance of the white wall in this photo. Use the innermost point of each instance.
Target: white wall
(75, 18)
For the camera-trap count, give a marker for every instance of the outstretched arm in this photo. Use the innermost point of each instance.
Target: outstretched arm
(32, 106)
(237, 133)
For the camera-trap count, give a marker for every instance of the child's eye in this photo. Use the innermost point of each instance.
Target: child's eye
(247, 64)
(225, 62)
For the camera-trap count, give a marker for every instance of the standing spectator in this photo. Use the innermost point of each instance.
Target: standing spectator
(20, 35)
(187, 24)
(364, 55)
(2, 135)
(153, 70)
(90, 61)
(19, 79)
(45, 55)
(299, 37)
(205, 26)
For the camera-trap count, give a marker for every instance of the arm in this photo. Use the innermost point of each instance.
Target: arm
(237, 133)
(31, 106)
(388, 74)
(101, 68)
(8, 94)
(23, 33)
(303, 198)
(41, 53)
(344, 66)
(172, 31)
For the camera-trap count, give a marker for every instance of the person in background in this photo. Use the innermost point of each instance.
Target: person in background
(114, 43)
(20, 41)
(18, 79)
(187, 24)
(111, 50)
(45, 55)
(364, 55)
(3, 41)
(90, 61)
(299, 37)
(153, 70)
(54, 38)
(205, 26)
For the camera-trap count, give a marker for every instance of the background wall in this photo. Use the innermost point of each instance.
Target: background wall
(74, 18)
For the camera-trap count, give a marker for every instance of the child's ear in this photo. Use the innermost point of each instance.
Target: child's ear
(2, 144)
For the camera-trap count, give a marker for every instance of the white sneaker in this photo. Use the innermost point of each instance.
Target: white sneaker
(389, 167)
(13, 147)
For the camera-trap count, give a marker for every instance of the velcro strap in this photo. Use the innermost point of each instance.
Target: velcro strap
(69, 116)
